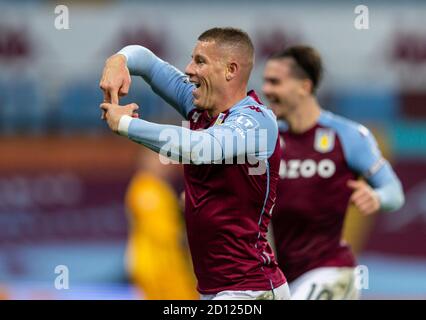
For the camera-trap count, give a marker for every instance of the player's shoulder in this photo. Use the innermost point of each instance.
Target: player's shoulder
(253, 111)
(358, 144)
(348, 130)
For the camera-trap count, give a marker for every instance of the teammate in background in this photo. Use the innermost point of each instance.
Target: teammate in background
(323, 156)
(227, 209)
(157, 258)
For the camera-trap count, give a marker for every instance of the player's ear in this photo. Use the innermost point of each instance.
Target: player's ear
(306, 87)
(231, 70)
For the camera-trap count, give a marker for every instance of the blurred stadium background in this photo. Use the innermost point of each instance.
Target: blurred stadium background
(64, 176)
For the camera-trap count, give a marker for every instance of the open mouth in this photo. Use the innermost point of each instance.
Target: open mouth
(273, 100)
(195, 91)
(195, 83)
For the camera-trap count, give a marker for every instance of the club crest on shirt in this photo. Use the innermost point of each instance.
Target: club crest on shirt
(324, 140)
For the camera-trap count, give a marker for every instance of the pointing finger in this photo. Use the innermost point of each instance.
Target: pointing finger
(114, 96)
(107, 98)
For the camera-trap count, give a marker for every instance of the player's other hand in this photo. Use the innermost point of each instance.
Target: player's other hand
(114, 112)
(364, 197)
(115, 81)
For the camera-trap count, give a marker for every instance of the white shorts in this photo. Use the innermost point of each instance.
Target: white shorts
(280, 293)
(327, 283)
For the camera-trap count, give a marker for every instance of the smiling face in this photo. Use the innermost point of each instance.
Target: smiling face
(283, 90)
(207, 70)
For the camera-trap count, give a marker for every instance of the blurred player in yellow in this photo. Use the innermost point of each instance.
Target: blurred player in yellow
(157, 256)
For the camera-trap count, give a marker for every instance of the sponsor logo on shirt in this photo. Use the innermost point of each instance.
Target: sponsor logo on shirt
(247, 122)
(308, 168)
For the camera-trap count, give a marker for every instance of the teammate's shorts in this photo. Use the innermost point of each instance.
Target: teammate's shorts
(280, 293)
(326, 283)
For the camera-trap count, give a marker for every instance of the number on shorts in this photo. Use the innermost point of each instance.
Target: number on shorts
(324, 294)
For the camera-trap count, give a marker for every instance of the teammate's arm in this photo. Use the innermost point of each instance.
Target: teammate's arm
(365, 158)
(165, 80)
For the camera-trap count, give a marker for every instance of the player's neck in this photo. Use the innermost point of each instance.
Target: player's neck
(228, 101)
(304, 117)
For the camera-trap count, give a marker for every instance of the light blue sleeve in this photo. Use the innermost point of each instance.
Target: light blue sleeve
(242, 134)
(364, 157)
(254, 133)
(165, 80)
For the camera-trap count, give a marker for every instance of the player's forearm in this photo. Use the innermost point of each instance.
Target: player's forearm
(178, 143)
(220, 142)
(391, 197)
(140, 60)
(389, 189)
(165, 80)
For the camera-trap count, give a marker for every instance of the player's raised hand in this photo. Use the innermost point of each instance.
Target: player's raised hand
(114, 112)
(364, 197)
(116, 80)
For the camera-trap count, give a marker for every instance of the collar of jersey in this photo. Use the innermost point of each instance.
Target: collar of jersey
(322, 119)
(247, 101)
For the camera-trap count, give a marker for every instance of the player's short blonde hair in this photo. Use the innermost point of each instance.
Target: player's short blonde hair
(232, 37)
